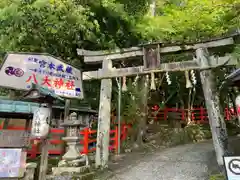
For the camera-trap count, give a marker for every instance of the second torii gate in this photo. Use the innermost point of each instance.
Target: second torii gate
(203, 62)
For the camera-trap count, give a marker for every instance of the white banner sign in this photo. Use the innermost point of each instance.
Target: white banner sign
(40, 124)
(232, 166)
(19, 71)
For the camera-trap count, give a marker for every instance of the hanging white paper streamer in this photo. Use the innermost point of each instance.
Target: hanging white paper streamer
(168, 79)
(147, 80)
(193, 77)
(124, 86)
(188, 82)
(153, 85)
(135, 81)
(118, 84)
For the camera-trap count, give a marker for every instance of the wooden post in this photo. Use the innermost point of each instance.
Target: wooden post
(11, 95)
(102, 148)
(216, 117)
(118, 150)
(65, 118)
(44, 152)
(44, 160)
(66, 108)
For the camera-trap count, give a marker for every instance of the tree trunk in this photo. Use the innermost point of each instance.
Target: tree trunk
(153, 8)
(216, 117)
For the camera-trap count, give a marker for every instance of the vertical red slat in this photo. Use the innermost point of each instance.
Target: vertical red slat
(116, 143)
(85, 140)
(202, 115)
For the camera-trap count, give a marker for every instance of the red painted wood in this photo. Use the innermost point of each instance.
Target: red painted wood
(198, 114)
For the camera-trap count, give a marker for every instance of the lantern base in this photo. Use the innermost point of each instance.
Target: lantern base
(88, 176)
(73, 152)
(66, 170)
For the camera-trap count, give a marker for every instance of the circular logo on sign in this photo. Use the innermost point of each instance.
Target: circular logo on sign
(9, 71)
(14, 71)
(18, 72)
(234, 166)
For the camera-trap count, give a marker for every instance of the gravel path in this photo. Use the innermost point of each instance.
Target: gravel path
(186, 162)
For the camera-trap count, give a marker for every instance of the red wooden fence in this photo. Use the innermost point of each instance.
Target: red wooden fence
(199, 115)
(57, 133)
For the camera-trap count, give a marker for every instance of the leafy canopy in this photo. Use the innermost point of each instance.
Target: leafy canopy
(190, 20)
(59, 27)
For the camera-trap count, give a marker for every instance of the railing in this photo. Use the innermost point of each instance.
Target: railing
(198, 115)
(55, 140)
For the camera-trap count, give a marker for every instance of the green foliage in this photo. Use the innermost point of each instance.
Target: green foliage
(43, 26)
(191, 20)
(131, 102)
(59, 27)
(236, 54)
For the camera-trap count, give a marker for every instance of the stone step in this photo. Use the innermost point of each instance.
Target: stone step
(69, 170)
(87, 176)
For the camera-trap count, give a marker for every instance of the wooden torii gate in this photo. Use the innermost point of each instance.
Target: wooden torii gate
(202, 62)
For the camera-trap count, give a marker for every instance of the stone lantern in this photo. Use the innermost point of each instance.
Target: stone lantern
(73, 162)
(72, 126)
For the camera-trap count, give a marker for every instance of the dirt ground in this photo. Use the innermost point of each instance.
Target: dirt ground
(138, 164)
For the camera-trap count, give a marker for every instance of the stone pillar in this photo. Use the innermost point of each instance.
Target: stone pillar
(215, 114)
(30, 171)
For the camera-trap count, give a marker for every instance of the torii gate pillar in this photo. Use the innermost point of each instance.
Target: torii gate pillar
(216, 117)
(104, 118)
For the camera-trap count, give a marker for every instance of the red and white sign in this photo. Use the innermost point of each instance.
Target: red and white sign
(19, 71)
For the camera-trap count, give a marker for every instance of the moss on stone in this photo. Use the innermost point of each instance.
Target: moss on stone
(217, 177)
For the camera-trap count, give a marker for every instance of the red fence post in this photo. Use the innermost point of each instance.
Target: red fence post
(116, 143)
(165, 113)
(123, 132)
(2, 124)
(193, 115)
(34, 149)
(183, 114)
(227, 114)
(202, 114)
(85, 140)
